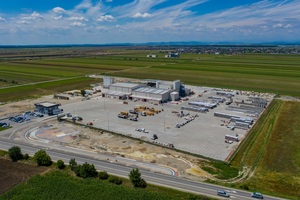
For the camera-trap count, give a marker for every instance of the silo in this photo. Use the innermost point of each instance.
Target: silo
(107, 81)
(176, 85)
(157, 84)
(174, 96)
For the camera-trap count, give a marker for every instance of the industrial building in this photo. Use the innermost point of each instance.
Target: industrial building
(152, 56)
(121, 90)
(151, 90)
(151, 94)
(48, 108)
(172, 55)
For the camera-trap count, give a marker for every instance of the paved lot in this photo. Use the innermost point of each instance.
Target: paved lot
(204, 135)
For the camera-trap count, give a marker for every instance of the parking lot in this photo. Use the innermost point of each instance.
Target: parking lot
(17, 121)
(200, 133)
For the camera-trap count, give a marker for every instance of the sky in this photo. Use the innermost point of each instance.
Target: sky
(34, 22)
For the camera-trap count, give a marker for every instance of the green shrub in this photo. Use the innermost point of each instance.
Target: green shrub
(42, 158)
(86, 171)
(26, 156)
(115, 180)
(103, 175)
(15, 153)
(60, 164)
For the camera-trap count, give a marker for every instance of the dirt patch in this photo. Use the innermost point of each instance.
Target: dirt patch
(103, 142)
(14, 173)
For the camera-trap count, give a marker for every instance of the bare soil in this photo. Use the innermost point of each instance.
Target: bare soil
(14, 173)
(103, 142)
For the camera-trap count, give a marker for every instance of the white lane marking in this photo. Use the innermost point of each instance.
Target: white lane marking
(125, 158)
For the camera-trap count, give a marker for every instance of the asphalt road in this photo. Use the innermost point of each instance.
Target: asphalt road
(123, 171)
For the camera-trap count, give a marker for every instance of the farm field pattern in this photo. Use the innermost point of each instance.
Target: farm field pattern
(271, 73)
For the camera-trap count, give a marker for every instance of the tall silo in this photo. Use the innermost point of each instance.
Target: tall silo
(176, 85)
(107, 81)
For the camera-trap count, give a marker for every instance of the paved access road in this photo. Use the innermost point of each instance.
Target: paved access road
(122, 170)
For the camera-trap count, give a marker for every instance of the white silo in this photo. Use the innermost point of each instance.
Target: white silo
(157, 84)
(107, 81)
(176, 85)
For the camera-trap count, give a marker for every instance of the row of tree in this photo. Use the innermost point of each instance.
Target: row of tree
(85, 170)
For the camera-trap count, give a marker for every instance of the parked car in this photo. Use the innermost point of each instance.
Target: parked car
(4, 124)
(27, 113)
(222, 193)
(257, 195)
(154, 137)
(133, 112)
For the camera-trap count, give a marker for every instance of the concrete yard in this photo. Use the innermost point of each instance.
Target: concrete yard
(205, 135)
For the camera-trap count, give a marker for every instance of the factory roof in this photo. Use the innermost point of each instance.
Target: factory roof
(126, 85)
(46, 104)
(151, 90)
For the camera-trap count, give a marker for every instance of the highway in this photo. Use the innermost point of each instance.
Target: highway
(114, 167)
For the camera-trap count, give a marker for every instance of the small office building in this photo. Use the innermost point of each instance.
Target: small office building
(48, 108)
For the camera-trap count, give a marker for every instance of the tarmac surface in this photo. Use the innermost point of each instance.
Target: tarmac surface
(205, 135)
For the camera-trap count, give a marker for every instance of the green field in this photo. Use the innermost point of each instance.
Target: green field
(273, 152)
(36, 90)
(279, 74)
(61, 185)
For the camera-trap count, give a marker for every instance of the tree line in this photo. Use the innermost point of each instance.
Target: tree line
(84, 170)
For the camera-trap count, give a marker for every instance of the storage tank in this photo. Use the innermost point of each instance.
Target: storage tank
(176, 85)
(174, 96)
(157, 84)
(107, 81)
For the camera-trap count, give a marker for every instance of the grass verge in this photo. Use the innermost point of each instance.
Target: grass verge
(272, 150)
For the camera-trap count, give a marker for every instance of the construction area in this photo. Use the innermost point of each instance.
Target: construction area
(209, 121)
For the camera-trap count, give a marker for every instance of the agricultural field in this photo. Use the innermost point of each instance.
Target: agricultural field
(62, 185)
(272, 152)
(14, 173)
(270, 73)
(38, 89)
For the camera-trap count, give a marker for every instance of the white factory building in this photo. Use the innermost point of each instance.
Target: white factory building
(156, 91)
(151, 94)
(121, 90)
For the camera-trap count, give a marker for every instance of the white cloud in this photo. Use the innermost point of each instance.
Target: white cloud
(80, 24)
(142, 15)
(108, 18)
(288, 26)
(278, 25)
(23, 22)
(59, 10)
(103, 28)
(78, 19)
(33, 16)
(86, 4)
(2, 19)
(57, 18)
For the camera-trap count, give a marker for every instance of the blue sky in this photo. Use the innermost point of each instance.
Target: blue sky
(137, 21)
